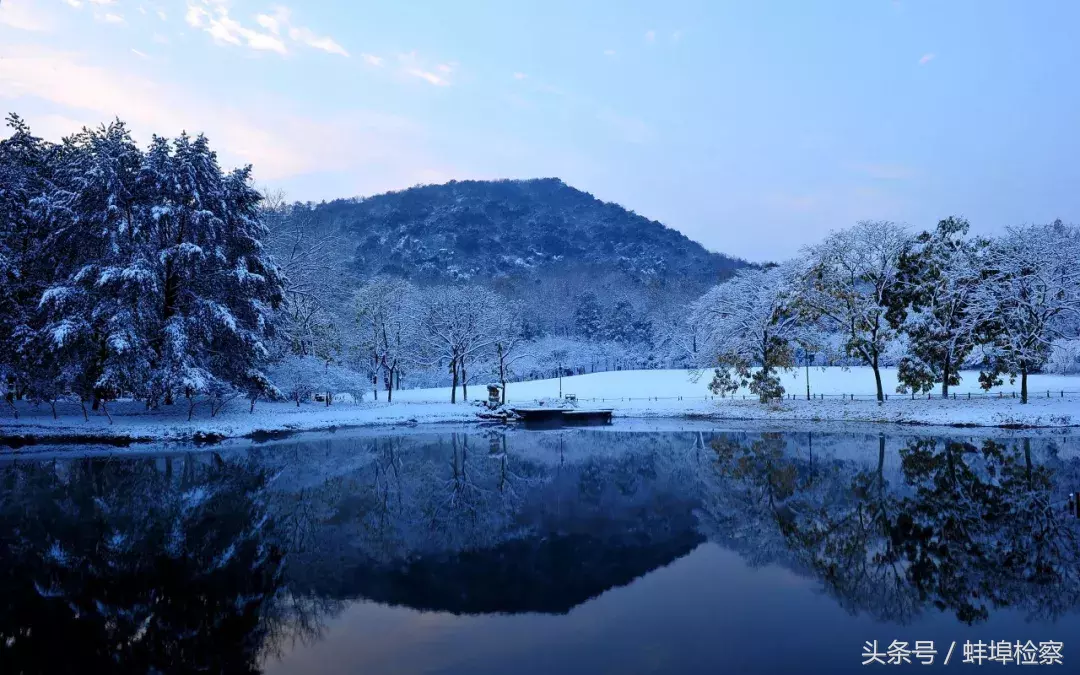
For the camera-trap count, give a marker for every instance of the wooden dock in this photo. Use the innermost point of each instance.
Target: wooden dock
(563, 416)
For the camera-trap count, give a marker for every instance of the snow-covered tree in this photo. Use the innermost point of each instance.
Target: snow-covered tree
(846, 284)
(510, 346)
(386, 316)
(935, 305)
(749, 321)
(308, 252)
(1032, 294)
(165, 287)
(588, 318)
(456, 325)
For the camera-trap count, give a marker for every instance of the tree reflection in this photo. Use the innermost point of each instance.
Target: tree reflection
(147, 565)
(968, 529)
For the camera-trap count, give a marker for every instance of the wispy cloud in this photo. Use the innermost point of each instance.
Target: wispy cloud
(322, 42)
(372, 60)
(21, 14)
(162, 15)
(412, 65)
(103, 2)
(379, 151)
(650, 36)
(927, 58)
(226, 30)
(115, 19)
(74, 3)
(609, 52)
(141, 55)
(520, 76)
(213, 17)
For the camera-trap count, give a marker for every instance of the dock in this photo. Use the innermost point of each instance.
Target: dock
(563, 416)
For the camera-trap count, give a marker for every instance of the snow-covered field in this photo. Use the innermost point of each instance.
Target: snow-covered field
(632, 394)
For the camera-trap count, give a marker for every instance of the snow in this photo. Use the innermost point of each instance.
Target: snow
(632, 394)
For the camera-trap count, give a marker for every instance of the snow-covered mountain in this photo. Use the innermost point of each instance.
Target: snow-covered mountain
(491, 230)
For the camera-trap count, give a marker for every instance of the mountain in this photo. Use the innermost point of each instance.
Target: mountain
(515, 229)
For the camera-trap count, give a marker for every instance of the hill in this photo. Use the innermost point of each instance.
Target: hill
(491, 230)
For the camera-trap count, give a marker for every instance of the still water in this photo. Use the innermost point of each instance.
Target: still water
(567, 551)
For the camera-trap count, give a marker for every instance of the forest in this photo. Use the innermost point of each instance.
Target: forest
(155, 275)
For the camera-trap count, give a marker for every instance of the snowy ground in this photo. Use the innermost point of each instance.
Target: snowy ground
(632, 394)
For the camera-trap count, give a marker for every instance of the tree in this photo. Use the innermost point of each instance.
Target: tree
(386, 321)
(934, 303)
(455, 326)
(749, 320)
(308, 253)
(509, 346)
(1032, 293)
(846, 283)
(588, 320)
(158, 281)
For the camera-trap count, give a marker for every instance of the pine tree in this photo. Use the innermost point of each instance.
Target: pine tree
(588, 320)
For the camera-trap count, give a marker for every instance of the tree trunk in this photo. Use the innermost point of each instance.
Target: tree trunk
(946, 372)
(390, 386)
(453, 387)
(464, 386)
(877, 380)
(1023, 384)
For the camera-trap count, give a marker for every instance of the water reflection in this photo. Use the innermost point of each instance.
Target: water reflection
(226, 561)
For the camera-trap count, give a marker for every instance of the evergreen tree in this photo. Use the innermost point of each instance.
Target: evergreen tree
(588, 320)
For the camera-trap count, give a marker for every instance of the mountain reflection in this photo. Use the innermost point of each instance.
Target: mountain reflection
(213, 562)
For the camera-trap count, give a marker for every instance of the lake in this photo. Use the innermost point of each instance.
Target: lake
(592, 550)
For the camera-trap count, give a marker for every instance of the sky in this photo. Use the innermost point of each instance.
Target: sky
(752, 127)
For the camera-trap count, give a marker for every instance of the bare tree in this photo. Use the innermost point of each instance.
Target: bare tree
(455, 326)
(384, 312)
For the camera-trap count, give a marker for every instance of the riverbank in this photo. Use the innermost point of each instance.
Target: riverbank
(131, 423)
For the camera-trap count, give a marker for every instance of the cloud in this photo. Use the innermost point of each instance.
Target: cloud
(372, 60)
(927, 58)
(609, 52)
(226, 30)
(412, 66)
(274, 22)
(520, 76)
(162, 15)
(19, 14)
(267, 133)
(103, 2)
(676, 36)
(324, 43)
(74, 3)
(213, 17)
(141, 55)
(428, 76)
(629, 129)
(650, 36)
(113, 18)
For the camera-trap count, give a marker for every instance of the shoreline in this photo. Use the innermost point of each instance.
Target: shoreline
(279, 421)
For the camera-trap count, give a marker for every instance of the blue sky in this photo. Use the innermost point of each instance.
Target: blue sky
(753, 127)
